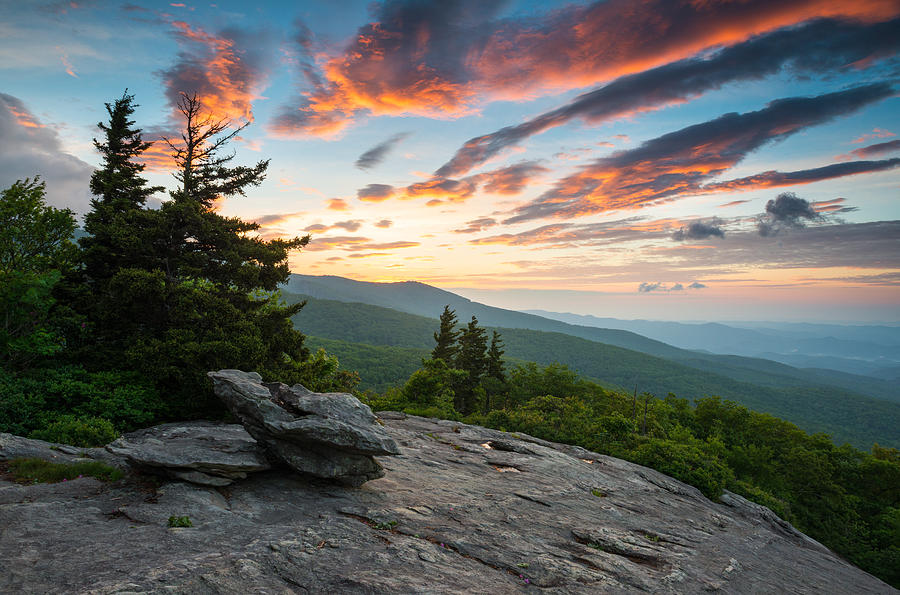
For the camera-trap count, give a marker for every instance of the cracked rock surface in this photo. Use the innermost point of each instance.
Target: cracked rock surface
(327, 435)
(462, 509)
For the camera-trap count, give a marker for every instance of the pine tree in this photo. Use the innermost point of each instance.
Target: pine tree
(494, 357)
(120, 196)
(472, 359)
(446, 337)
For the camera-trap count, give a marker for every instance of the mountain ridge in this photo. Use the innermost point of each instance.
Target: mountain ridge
(421, 299)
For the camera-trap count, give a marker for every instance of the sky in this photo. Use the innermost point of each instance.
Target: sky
(660, 159)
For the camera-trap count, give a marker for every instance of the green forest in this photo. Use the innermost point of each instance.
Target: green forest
(385, 346)
(116, 332)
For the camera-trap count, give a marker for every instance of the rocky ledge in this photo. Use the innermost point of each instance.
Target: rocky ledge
(327, 435)
(462, 509)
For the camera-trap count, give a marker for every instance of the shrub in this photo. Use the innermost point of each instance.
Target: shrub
(77, 431)
(180, 521)
(34, 400)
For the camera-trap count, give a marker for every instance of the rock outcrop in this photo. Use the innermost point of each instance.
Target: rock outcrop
(462, 509)
(201, 452)
(327, 435)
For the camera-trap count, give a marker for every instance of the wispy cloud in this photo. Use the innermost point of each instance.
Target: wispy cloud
(351, 226)
(878, 149)
(774, 179)
(819, 46)
(876, 133)
(659, 287)
(477, 225)
(681, 162)
(377, 154)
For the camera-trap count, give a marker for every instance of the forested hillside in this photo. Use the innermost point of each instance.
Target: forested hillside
(846, 416)
(424, 300)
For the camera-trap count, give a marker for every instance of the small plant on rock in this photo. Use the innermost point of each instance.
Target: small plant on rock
(386, 526)
(180, 521)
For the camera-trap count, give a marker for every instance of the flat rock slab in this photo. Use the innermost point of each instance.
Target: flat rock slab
(450, 516)
(202, 452)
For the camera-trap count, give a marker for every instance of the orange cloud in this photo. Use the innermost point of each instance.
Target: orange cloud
(733, 203)
(22, 116)
(444, 59)
(68, 65)
(442, 189)
(682, 162)
(876, 133)
(226, 71)
(775, 179)
(337, 204)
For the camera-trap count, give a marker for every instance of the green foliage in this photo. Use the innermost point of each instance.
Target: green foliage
(77, 431)
(385, 526)
(27, 331)
(34, 400)
(180, 521)
(322, 373)
(34, 249)
(495, 358)
(34, 238)
(41, 471)
(432, 387)
(685, 462)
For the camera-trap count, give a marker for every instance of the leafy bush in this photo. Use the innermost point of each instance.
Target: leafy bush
(685, 462)
(35, 400)
(77, 431)
(41, 471)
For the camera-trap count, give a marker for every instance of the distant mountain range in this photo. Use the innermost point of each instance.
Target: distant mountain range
(869, 350)
(383, 329)
(424, 300)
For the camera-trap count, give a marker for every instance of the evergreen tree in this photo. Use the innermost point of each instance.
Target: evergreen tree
(472, 359)
(494, 357)
(202, 294)
(117, 223)
(446, 337)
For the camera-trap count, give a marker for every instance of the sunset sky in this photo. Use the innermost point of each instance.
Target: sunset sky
(619, 158)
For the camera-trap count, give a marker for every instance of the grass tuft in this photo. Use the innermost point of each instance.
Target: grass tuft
(41, 471)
